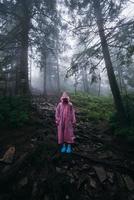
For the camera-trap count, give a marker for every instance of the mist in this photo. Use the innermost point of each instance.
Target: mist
(70, 46)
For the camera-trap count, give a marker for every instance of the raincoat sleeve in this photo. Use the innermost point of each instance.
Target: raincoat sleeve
(57, 114)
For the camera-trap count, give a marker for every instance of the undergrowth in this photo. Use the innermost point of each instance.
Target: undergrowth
(14, 111)
(92, 107)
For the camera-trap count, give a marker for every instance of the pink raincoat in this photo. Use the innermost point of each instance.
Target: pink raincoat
(65, 119)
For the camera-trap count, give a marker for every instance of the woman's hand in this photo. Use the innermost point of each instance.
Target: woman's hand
(57, 123)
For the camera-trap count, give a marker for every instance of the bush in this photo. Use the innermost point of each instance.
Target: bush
(128, 131)
(14, 111)
(129, 106)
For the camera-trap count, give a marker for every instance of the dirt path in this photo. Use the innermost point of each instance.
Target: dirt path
(99, 168)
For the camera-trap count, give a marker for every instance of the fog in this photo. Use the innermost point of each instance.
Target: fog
(70, 41)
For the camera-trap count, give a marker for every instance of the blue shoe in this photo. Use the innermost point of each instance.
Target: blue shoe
(63, 149)
(69, 149)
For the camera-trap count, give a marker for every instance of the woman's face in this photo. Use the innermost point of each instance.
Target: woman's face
(65, 100)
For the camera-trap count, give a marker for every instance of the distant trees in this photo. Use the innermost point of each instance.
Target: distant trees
(110, 71)
(15, 29)
(8, 47)
(122, 56)
(98, 26)
(47, 39)
(27, 24)
(103, 37)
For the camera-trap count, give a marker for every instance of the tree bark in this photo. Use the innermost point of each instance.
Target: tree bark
(22, 71)
(85, 79)
(112, 80)
(58, 76)
(75, 83)
(45, 73)
(99, 91)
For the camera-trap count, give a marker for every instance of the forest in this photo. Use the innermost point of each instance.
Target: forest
(66, 99)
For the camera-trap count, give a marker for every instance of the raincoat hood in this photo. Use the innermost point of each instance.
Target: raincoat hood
(64, 96)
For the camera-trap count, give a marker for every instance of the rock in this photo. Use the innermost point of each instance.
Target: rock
(85, 166)
(73, 162)
(23, 181)
(110, 176)
(92, 182)
(92, 173)
(46, 197)
(33, 139)
(6, 168)
(69, 174)
(67, 197)
(35, 189)
(129, 182)
(81, 181)
(75, 174)
(107, 155)
(65, 167)
(100, 173)
(72, 180)
(99, 145)
(120, 180)
(58, 169)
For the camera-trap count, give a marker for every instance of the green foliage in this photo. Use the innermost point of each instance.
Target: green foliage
(128, 101)
(128, 131)
(14, 111)
(92, 107)
(129, 105)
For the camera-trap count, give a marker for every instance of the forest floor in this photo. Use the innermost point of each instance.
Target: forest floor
(100, 167)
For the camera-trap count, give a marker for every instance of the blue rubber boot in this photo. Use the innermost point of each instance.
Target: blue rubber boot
(63, 149)
(69, 148)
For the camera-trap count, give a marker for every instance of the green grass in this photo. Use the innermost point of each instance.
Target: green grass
(92, 107)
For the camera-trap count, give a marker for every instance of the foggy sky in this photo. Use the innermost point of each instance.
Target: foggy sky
(128, 12)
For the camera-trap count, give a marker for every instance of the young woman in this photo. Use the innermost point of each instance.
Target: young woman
(65, 120)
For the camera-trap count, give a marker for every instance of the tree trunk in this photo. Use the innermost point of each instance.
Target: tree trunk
(112, 80)
(119, 78)
(23, 85)
(75, 83)
(85, 79)
(57, 62)
(99, 85)
(58, 76)
(45, 73)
